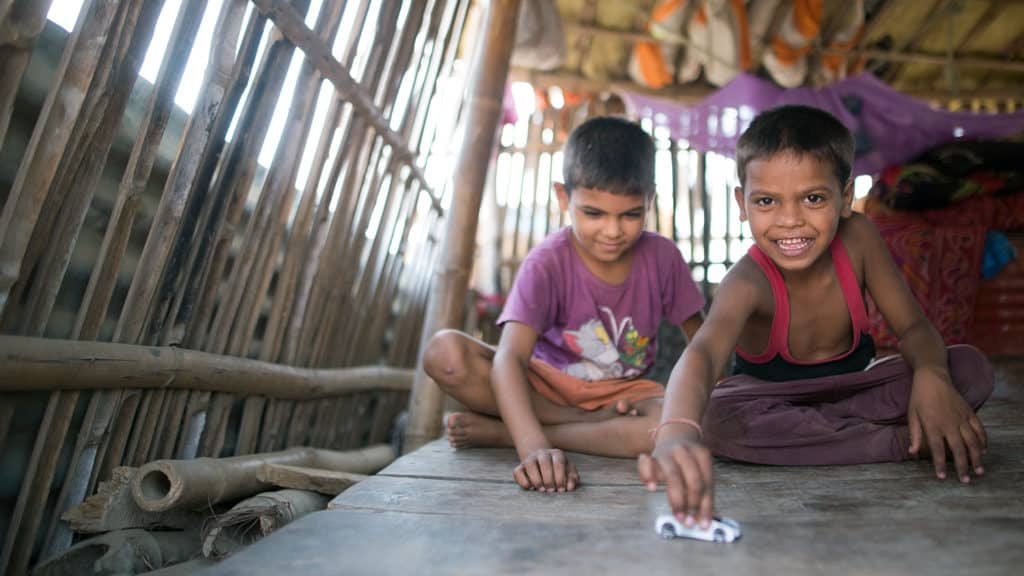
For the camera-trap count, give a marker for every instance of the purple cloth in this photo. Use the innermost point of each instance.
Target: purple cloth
(890, 127)
(593, 330)
(852, 418)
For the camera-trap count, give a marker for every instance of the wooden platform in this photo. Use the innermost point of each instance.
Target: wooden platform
(438, 511)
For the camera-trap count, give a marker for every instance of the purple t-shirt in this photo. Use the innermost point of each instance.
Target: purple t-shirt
(594, 330)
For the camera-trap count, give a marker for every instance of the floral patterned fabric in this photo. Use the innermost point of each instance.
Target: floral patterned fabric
(940, 254)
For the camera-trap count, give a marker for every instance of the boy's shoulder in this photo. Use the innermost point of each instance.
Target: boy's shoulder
(658, 245)
(553, 248)
(859, 235)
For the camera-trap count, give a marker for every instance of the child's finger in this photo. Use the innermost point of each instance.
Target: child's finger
(560, 464)
(707, 503)
(937, 446)
(647, 468)
(574, 478)
(914, 427)
(960, 463)
(979, 429)
(674, 485)
(519, 474)
(547, 471)
(973, 444)
(694, 486)
(533, 473)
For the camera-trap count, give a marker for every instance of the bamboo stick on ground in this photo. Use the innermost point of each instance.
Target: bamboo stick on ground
(183, 484)
(113, 507)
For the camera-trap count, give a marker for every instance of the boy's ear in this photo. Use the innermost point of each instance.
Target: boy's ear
(563, 196)
(847, 199)
(737, 193)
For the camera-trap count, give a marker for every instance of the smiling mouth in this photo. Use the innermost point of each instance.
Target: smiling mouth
(793, 246)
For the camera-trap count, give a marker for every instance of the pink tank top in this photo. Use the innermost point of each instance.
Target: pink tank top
(778, 340)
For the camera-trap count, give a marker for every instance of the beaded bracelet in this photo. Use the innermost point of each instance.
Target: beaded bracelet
(687, 421)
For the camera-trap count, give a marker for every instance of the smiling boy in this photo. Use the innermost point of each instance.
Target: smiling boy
(579, 325)
(805, 389)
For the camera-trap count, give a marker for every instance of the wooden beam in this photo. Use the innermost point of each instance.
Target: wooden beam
(32, 364)
(489, 72)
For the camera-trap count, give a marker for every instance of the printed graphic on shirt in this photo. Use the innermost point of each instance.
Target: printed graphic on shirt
(602, 357)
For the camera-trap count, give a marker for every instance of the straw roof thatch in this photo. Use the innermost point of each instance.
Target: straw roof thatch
(936, 49)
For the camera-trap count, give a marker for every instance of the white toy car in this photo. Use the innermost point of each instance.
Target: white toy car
(721, 529)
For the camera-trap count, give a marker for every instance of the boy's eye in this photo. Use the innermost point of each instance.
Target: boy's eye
(633, 215)
(763, 201)
(591, 213)
(815, 198)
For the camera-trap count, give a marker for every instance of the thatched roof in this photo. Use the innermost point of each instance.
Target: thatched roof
(937, 49)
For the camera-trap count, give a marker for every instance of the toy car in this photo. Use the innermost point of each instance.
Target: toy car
(721, 529)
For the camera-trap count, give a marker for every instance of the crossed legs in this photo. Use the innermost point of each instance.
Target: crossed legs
(461, 366)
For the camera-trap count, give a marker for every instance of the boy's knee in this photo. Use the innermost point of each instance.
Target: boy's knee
(444, 358)
(972, 374)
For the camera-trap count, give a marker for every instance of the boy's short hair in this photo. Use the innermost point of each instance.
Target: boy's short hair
(801, 130)
(609, 154)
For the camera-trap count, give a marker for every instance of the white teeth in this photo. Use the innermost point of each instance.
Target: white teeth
(792, 241)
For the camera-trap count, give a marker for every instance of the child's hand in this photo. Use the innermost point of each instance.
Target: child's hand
(945, 418)
(546, 470)
(684, 465)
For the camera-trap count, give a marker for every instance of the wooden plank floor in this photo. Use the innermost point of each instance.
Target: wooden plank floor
(438, 511)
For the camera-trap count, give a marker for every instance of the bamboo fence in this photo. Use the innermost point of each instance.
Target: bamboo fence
(222, 327)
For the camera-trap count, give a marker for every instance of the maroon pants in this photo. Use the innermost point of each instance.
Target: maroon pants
(850, 418)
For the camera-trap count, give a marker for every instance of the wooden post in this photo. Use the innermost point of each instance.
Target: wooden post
(487, 86)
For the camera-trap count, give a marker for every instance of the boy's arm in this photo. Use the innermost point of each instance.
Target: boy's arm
(692, 324)
(936, 410)
(541, 466)
(680, 459)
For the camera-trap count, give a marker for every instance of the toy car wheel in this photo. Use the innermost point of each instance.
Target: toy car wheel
(667, 531)
(719, 535)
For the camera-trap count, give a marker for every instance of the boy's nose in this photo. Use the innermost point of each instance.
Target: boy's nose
(613, 228)
(789, 215)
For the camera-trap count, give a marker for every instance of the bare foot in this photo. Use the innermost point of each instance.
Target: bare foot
(469, 429)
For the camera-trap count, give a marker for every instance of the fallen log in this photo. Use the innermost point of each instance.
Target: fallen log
(188, 484)
(113, 508)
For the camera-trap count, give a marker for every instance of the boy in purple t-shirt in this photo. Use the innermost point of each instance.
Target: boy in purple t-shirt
(580, 324)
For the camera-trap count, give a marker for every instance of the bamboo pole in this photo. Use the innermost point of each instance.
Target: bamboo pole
(21, 22)
(177, 484)
(32, 364)
(105, 104)
(320, 233)
(228, 77)
(383, 157)
(102, 281)
(298, 243)
(80, 188)
(235, 179)
(285, 17)
(281, 181)
(28, 510)
(489, 70)
(52, 131)
(87, 121)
